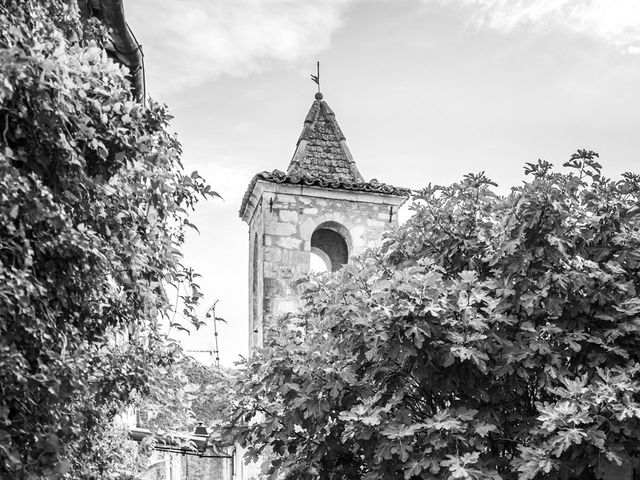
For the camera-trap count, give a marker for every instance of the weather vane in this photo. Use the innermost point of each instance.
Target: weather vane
(316, 78)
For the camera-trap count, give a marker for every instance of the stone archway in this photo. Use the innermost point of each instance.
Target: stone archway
(331, 242)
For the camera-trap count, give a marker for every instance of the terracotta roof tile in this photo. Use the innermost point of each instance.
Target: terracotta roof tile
(321, 149)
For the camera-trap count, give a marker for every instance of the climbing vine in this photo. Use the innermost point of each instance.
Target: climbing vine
(93, 203)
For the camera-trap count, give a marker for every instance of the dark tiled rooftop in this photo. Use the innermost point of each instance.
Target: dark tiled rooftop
(321, 149)
(322, 159)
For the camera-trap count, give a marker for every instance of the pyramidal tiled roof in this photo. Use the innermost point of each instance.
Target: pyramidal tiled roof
(322, 159)
(321, 150)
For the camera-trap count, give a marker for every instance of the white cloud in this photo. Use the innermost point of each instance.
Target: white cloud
(616, 22)
(197, 40)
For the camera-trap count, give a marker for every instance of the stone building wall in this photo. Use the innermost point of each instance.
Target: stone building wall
(281, 223)
(196, 468)
(177, 466)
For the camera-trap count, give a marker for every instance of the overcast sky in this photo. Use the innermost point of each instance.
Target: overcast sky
(424, 90)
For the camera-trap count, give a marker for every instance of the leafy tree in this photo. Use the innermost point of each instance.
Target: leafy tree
(490, 337)
(93, 202)
(191, 393)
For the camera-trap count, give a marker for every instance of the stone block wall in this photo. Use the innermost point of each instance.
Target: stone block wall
(281, 221)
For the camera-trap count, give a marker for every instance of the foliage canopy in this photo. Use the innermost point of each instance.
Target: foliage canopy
(490, 337)
(93, 202)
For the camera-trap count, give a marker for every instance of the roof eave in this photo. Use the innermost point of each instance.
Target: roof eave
(279, 177)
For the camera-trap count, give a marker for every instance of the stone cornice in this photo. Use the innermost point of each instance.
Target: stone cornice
(279, 182)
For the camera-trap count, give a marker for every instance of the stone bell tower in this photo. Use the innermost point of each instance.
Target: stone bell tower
(321, 206)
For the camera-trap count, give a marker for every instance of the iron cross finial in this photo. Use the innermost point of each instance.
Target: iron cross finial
(316, 78)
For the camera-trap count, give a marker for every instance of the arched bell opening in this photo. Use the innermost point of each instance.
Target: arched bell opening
(254, 287)
(329, 247)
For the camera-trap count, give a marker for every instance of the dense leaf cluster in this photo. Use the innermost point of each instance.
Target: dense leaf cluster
(491, 337)
(93, 201)
(192, 393)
